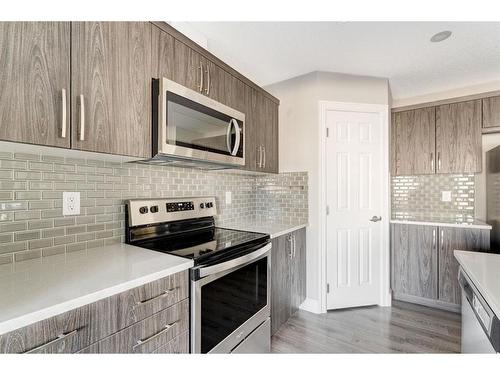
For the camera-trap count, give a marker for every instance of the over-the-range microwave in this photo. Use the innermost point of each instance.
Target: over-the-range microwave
(191, 129)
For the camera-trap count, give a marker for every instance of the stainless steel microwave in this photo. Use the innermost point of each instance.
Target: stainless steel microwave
(192, 129)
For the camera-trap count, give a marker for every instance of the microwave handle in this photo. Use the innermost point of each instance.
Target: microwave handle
(233, 150)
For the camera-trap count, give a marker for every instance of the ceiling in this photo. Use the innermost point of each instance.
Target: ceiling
(269, 52)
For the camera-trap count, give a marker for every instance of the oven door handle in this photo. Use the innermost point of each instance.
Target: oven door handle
(247, 258)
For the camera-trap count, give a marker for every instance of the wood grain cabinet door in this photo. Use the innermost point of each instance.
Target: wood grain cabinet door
(188, 67)
(267, 133)
(280, 282)
(413, 134)
(458, 137)
(34, 70)
(252, 138)
(414, 260)
(298, 269)
(451, 239)
(491, 112)
(163, 57)
(111, 72)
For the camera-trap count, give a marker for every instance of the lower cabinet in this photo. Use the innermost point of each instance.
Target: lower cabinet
(288, 282)
(152, 318)
(424, 269)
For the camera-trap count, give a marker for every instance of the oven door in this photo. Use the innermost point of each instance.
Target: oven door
(230, 302)
(193, 126)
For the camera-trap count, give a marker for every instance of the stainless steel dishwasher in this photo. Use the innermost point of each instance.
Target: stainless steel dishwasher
(480, 325)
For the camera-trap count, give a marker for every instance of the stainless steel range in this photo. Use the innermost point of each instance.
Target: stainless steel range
(230, 280)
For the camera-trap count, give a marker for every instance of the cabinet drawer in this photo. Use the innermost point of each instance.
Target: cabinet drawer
(179, 345)
(117, 312)
(65, 333)
(151, 333)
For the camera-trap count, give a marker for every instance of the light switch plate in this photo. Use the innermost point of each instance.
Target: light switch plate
(228, 197)
(71, 203)
(446, 196)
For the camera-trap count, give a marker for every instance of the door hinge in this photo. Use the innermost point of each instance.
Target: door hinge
(328, 210)
(327, 132)
(327, 288)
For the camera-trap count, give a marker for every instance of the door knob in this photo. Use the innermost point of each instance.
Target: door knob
(376, 218)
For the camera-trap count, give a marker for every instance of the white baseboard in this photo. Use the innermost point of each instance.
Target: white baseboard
(311, 305)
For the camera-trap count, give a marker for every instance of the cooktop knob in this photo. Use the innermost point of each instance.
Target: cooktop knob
(143, 210)
(202, 206)
(153, 209)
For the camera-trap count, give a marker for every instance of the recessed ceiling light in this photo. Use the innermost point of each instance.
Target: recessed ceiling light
(439, 37)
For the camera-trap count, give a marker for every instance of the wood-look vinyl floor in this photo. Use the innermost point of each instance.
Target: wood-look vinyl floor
(402, 328)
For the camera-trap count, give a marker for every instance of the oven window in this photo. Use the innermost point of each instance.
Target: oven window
(230, 301)
(192, 125)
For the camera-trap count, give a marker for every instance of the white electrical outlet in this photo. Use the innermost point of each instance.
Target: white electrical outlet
(71, 203)
(446, 196)
(228, 197)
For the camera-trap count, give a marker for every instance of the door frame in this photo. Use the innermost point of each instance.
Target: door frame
(383, 111)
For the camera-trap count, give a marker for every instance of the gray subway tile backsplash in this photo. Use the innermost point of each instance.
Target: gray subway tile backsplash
(31, 186)
(419, 197)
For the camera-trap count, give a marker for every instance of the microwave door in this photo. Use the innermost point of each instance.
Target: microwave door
(197, 127)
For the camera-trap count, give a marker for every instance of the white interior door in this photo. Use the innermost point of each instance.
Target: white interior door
(355, 184)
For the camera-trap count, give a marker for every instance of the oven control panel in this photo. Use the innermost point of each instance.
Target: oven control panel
(153, 211)
(180, 206)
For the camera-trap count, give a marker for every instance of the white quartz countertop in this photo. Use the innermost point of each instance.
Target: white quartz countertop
(38, 289)
(476, 224)
(484, 271)
(268, 227)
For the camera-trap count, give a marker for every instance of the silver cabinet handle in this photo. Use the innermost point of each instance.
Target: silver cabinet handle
(82, 118)
(166, 293)
(432, 161)
(433, 237)
(294, 245)
(207, 90)
(63, 119)
(442, 237)
(61, 337)
(439, 160)
(289, 239)
(260, 156)
(376, 218)
(150, 338)
(264, 149)
(200, 86)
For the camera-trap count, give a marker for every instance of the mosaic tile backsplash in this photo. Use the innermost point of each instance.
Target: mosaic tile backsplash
(419, 197)
(31, 187)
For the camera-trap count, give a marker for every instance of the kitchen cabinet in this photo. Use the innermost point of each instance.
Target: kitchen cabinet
(451, 239)
(163, 57)
(458, 137)
(414, 142)
(415, 260)
(491, 112)
(35, 89)
(111, 87)
(188, 67)
(153, 317)
(424, 269)
(288, 270)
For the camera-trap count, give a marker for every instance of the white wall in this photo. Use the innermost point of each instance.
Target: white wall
(299, 138)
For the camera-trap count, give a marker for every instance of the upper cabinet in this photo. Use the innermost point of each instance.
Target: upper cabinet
(441, 139)
(458, 137)
(491, 112)
(414, 141)
(111, 87)
(35, 88)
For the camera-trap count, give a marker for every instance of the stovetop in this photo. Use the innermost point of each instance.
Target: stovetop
(205, 245)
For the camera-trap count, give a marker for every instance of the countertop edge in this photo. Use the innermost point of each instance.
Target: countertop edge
(457, 254)
(49, 312)
(288, 230)
(440, 224)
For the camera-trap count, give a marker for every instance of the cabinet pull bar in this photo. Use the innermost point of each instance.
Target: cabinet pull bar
(433, 237)
(200, 86)
(82, 118)
(207, 90)
(150, 338)
(63, 119)
(61, 337)
(163, 295)
(260, 157)
(264, 148)
(432, 161)
(442, 237)
(439, 160)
